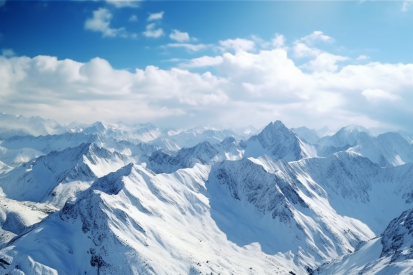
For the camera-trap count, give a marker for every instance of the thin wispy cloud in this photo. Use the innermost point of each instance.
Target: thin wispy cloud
(124, 3)
(237, 44)
(317, 36)
(133, 18)
(405, 5)
(7, 52)
(189, 47)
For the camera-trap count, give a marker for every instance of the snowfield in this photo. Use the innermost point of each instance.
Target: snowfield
(139, 199)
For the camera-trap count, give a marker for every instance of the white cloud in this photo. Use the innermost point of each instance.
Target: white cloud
(316, 36)
(94, 90)
(124, 3)
(189, 47)
(179, 36)
(302, 50)
(362, 57)
(100, 22)
(155, 16)
(204, 61)
(374, 95)
(237, 44)
(152, 32)
(278, 41)
(247, 88)
(324, 62)
(405, 6)
(7, 52)
(133, 18)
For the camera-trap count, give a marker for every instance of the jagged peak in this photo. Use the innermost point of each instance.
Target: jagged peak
(228, 140)
(112, 183)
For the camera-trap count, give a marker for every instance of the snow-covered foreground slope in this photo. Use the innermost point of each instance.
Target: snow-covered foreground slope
(390, 254)
(17, 216)
(237, 218)
(135, 222)
(359, 188)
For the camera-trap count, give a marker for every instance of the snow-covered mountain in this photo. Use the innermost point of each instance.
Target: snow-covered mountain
(11, 125)
(306, 134)
(204, 152)
(135, 222)
(192, 137)
(279, 142)
(57, 176)
(140, 132)
(392, 253)
(140, 199)
(389, 149)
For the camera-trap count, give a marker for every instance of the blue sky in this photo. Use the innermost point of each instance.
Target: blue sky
(215, 56)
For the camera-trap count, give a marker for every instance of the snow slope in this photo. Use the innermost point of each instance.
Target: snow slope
(121, 199)
(389, 149)
(204, 152)
(135, 222)
(55, 177)
(390, 254)
(17, 216)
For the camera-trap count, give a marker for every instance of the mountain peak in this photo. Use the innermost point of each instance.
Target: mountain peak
(354, 128)
(111, 183)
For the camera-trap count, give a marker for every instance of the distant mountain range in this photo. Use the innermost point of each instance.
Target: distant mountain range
(140, 199)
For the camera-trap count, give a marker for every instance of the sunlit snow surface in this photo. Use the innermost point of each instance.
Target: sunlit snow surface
(121, 199)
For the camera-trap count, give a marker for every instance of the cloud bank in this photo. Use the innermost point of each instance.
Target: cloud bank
(249, 86)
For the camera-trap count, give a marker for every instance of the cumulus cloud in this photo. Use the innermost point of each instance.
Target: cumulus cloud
(278, 41)
(302, 50)
(247, 87)
(155, 16)
(324, 62)
(100, 22)
(152, 32)
(237, 44)
(94, 89)
(179, 36)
